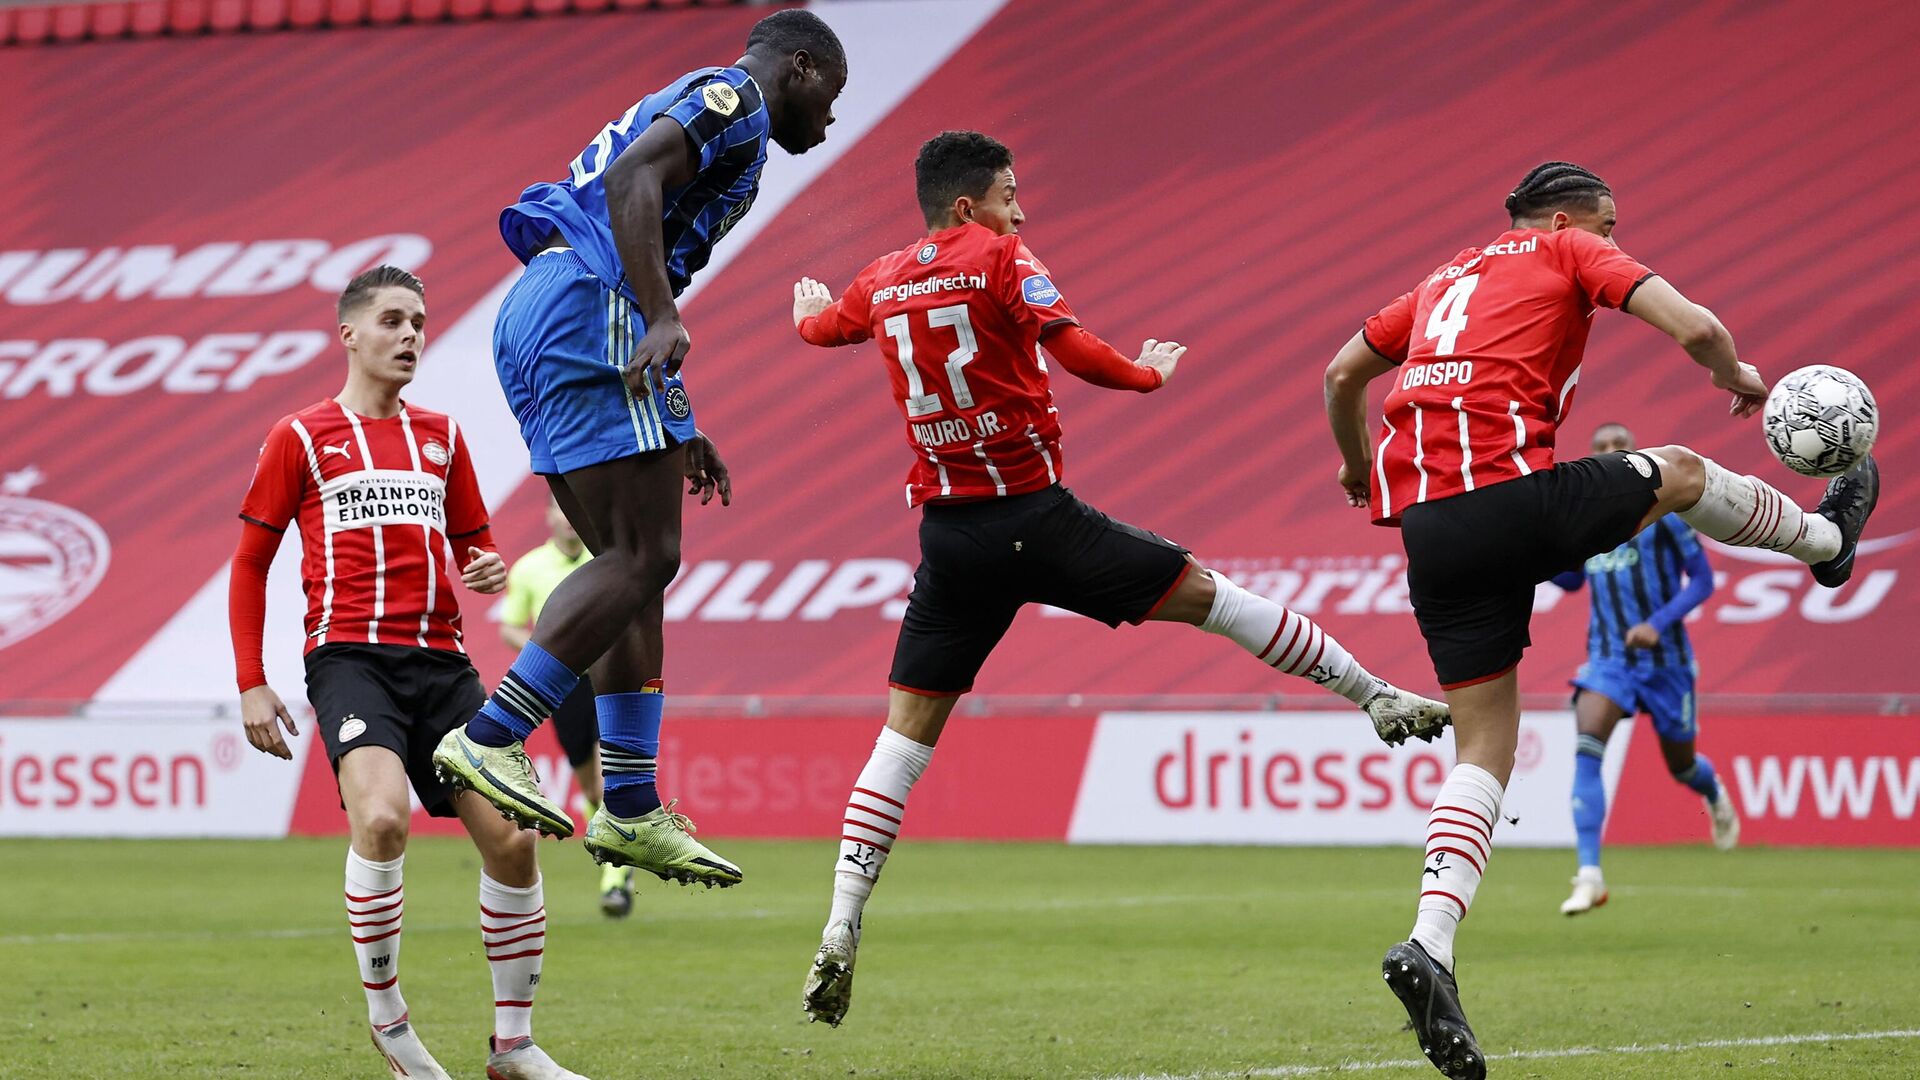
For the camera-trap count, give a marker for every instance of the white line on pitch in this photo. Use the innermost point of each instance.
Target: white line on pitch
(903, 910)
(1537, 1055)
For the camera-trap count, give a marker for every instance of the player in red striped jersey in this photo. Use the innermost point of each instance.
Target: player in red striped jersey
(960, 316)
(384, 494)
(1486, 353)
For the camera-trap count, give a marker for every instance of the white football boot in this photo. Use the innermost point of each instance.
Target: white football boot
(1589, 892)
(407, 1057)
(829, 989)
(1726, 821)
(1398, 715)
(520, 1059)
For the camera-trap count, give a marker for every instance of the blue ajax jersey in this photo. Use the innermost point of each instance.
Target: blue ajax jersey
(726, 124)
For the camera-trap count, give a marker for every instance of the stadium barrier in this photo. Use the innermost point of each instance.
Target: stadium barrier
(1108, 777)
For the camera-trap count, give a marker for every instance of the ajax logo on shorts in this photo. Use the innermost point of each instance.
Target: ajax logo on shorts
(351, 728)
(677, 403)
(926, 253)
(1039, 290)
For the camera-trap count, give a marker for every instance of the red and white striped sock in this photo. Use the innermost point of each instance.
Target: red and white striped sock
(513, 927)
(1287, 641)
(872, 822)
(1745, 511)
(375, 902)
(1459, 842)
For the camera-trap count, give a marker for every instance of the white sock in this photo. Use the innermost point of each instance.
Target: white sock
(872, 823)
(1459, 841)
(1745, 511)
(375, 902)
(1287, 641)
(513, 927)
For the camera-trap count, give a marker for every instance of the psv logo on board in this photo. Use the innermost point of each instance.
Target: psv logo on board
(51, 558)
(721, 98)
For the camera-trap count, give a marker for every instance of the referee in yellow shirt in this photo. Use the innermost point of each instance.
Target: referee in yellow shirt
(532, 579)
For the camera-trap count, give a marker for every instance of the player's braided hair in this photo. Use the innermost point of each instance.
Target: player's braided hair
(956, 163)
(361, 289)
(1556, 185)
(790, 31)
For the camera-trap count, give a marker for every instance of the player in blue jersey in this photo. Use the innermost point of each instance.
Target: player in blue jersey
(1639, 660)
(588, 346)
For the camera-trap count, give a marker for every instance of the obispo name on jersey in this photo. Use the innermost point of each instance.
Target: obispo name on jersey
(928, 285)
(361, 500)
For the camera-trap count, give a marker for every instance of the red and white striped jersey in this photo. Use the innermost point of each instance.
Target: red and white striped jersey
(381, 505)
(958, 316)
(1485, 382)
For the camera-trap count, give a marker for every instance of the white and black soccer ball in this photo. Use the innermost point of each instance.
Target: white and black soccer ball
(1820, 420)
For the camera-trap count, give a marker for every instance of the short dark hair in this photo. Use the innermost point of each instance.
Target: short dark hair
(956, 163)
(788, 32)
(361, 289)
(1556, 185)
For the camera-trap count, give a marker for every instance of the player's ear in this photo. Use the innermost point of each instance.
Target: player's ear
(1561, 220)
(346, 334)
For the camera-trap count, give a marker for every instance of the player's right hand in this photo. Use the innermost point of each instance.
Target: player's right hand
(260, 707)
(1162, 356)
(1748, 388)
(1356, 484)
(810, 298)
(658, 355)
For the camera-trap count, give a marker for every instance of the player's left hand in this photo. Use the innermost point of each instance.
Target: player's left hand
(810, 298)
(1642, 636)
(486, 572)
(706, 473)
(1748, 388)
(1355, 482)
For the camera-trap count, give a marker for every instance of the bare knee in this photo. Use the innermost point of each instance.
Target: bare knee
(512, 860)
(646, 572)
(380, 834)
(1683, 474)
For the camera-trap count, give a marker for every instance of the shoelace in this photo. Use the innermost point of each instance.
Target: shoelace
(678, 821)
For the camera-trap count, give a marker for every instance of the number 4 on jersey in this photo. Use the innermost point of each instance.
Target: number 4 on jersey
(1449, 316)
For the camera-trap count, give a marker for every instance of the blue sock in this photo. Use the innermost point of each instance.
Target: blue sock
(528, 693)
(1701, 778)
(629, 747)
(1589, 798)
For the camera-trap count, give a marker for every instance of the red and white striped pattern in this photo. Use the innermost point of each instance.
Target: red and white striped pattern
(513, 928)
(1775, 523)
(374, 919)
(872, 819)
(1297, 645)
(1461, 831)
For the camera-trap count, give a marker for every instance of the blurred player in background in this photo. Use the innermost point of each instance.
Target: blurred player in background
(1639, 660)
(384, 494)
(1485, 353)
(530, 580)
(588, 347)
(960, 315)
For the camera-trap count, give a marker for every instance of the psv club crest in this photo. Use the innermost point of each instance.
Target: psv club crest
(51, 558)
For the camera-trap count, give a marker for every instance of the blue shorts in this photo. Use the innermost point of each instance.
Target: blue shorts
(1664, 694)
(560, 344)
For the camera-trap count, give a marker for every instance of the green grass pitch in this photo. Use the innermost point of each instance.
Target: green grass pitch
(229, 959)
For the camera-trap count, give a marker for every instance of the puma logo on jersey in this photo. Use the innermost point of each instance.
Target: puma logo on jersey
(345, 449)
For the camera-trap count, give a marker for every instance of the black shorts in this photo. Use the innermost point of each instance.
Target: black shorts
(402, 697)
(1473, 559)
(980, 561)
(577, 724)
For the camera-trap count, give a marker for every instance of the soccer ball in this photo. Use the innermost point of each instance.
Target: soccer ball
(1820, 420)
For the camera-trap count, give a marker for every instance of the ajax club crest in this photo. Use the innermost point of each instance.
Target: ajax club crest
(51, 558)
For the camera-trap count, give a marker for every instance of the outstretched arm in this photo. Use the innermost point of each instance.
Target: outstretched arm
(821, 319)
(1699, 575)
(1081, 352)
(636, 185)
(1353, 367)
(1700, 332)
